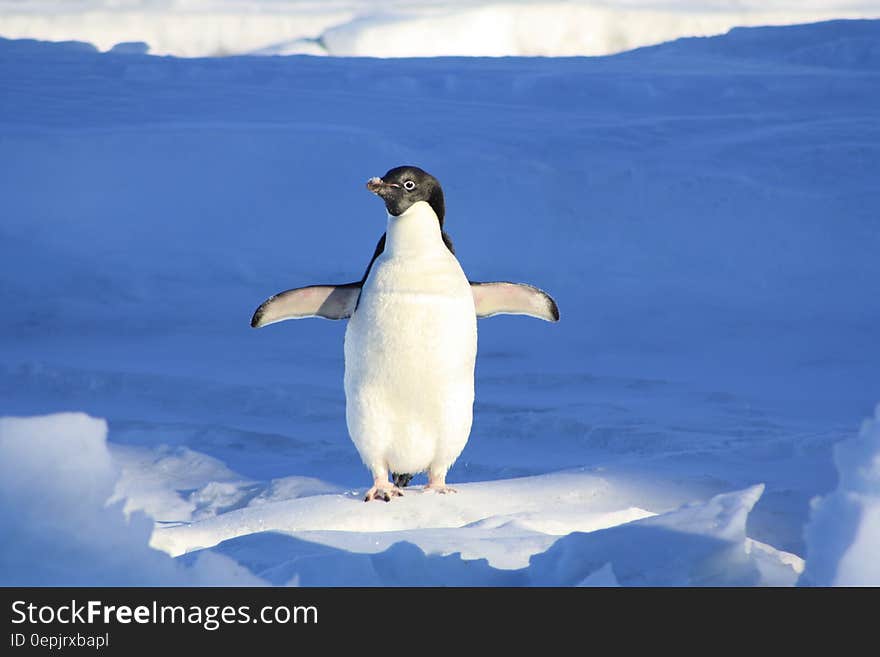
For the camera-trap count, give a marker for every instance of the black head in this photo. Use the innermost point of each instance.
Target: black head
(403, 186)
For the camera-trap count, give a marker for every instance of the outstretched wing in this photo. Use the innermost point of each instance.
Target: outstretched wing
(503, 298)
(327, 301)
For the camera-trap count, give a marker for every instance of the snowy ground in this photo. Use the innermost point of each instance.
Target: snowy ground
(402, 28)
(705, 213)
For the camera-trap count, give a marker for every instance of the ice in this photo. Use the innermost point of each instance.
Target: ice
(704, 212)
(56, 476)
(549, 29)
(401, 28)
(843, 536)
(696, 545)
(602, 577)
(549, 505)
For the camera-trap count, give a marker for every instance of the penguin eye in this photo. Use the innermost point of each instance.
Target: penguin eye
(409, 184)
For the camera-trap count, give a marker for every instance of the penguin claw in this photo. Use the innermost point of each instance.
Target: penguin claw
(384, 493)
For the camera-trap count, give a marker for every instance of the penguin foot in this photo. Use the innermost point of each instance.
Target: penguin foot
(383, 491)
(437, 483)
(401, 480)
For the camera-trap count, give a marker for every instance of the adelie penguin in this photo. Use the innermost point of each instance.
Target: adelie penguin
(411, 340)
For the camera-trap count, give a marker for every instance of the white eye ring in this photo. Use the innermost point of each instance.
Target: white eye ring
(409, 184)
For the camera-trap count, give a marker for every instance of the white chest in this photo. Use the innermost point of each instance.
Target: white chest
(417, 302)
(410, 349)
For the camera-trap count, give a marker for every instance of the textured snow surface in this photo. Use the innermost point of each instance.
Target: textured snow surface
(401, 28)
(56, 475)
(704, 212)
(843, 537)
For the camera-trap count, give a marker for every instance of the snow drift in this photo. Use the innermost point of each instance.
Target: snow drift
(548, 29)
(704, 211)
(402, 28)
(843, 536)
(56, 476)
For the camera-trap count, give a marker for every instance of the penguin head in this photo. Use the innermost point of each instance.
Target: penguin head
(403, 186)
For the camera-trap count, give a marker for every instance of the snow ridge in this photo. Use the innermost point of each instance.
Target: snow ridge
(843, 536)
(402, 28)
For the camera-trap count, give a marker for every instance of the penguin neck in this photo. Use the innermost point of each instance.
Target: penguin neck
(415, 231)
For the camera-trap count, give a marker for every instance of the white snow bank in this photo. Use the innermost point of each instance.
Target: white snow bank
(699, 544)
(177, 484)
(152, 481)
(203, 29)
(843, 536)
(833, 44)
(549, 29)
(493, 533)
(604, 577)
(553, 504)
(403, 28)
(56, 475)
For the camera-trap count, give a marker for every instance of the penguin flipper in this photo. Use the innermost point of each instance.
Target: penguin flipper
(504, 298)
(327, 301)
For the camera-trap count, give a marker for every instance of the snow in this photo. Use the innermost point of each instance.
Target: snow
(402, 28)
(56, 475)
(843, 535)
(704, 212)
(604, 577)
(543, 531)
(547, 28)
(572, 503)
(698, 545)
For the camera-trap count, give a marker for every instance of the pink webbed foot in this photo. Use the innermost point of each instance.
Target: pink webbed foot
(438, 485)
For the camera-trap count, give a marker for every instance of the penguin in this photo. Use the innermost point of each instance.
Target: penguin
(411, 341)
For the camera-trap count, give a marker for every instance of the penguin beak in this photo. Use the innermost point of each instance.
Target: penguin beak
(380, 187)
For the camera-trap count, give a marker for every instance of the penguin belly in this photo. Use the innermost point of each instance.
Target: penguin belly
(410, 349)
